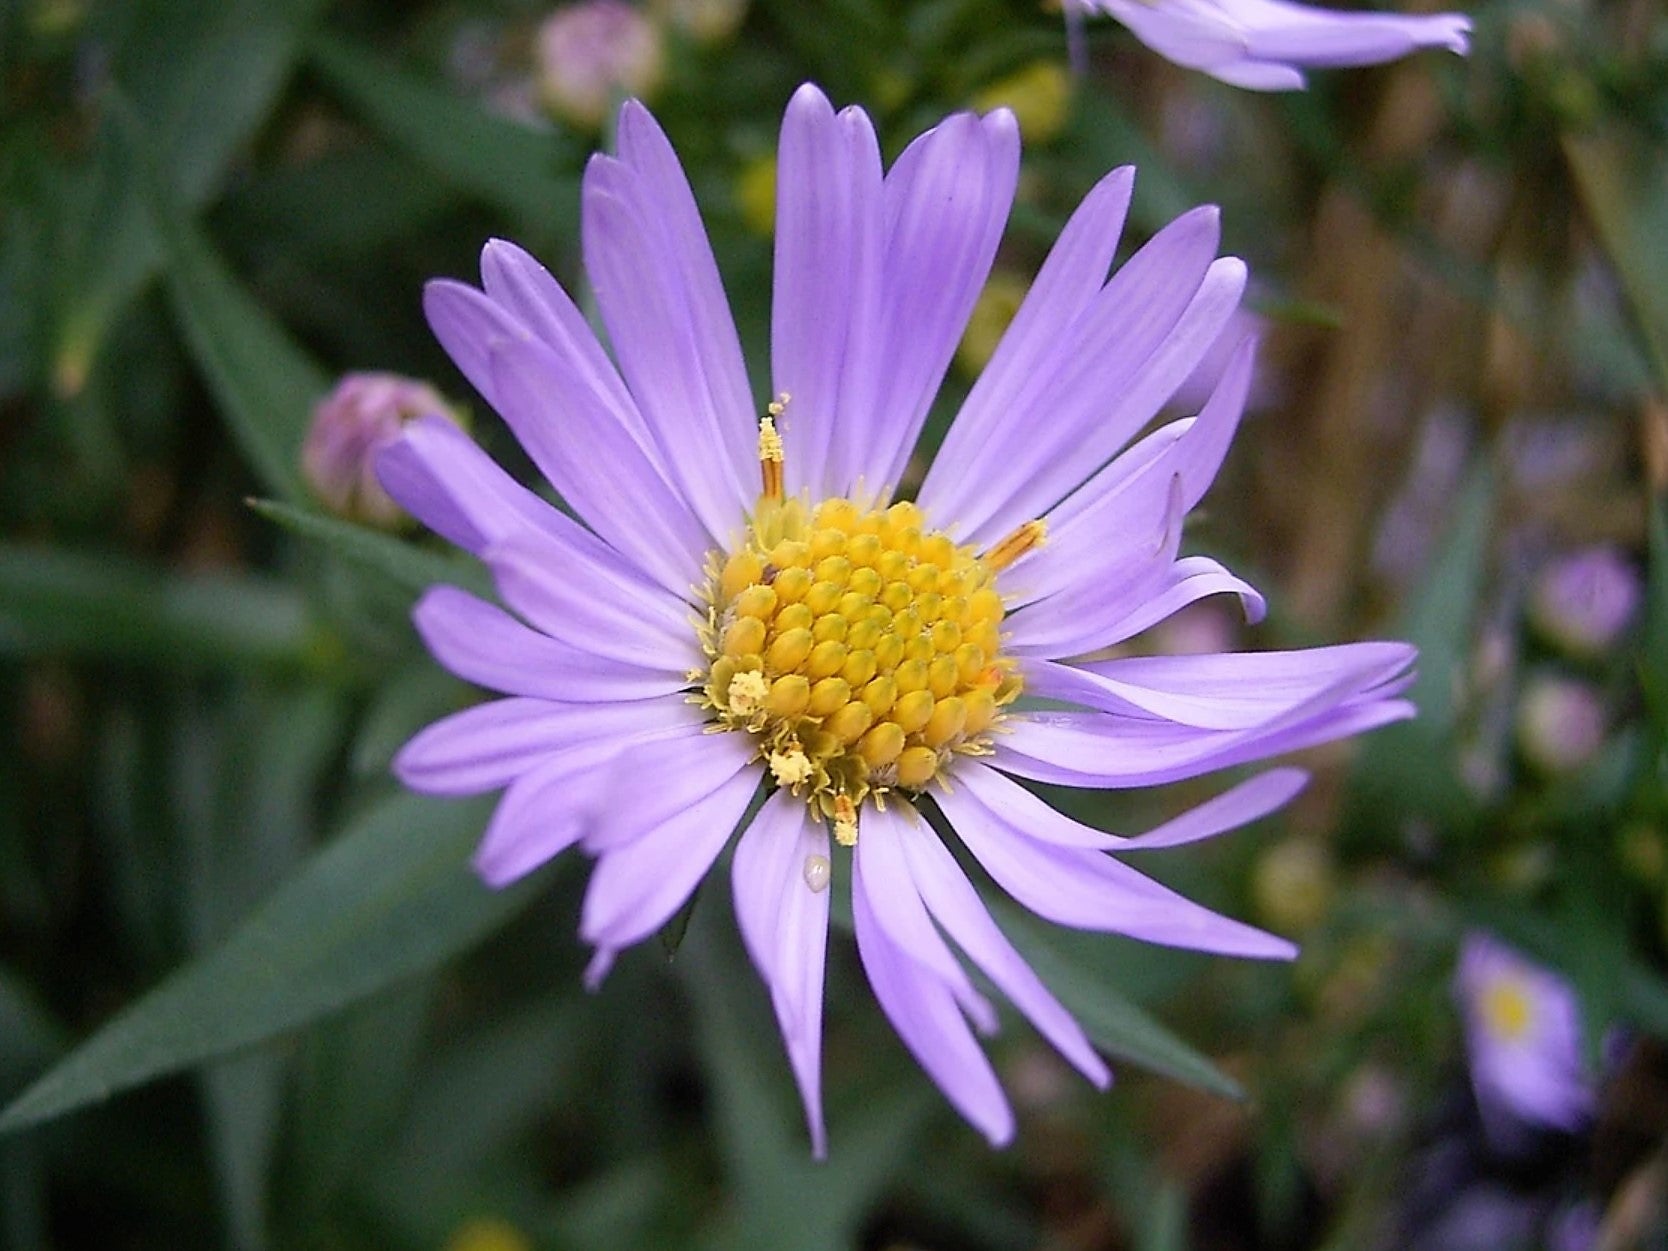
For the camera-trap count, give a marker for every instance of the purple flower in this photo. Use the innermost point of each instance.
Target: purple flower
(1586, 600)
(591, 53)
(1263, 45)
(361, 415)
(748, 605)
(1523, 1033)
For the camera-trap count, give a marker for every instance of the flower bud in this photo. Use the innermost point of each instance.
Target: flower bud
(591, 54)
(1586, 600)
(1560, 723)
(363, 414)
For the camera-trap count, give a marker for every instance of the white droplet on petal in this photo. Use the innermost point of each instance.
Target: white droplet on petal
(817, 872)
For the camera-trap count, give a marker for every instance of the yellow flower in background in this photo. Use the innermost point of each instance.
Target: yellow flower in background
(488, 1233)
(996, 306)
(756, 194)
(1039, 95)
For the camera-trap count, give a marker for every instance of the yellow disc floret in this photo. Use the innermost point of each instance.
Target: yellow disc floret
(862, 650)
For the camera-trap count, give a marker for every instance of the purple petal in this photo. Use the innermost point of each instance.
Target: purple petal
(657, 286)
(947, 199)
(1066, 284)
(784, 924)
(1057, 429)
(956, 906)
(1100, 750)
(830, 229)
(655, 848)
(530, 294)
(550, 808)
(881, 874)
(931, 1026)
(488, 746)
(1089, 890)
(609, 612)
(598, 467)
(482, 644)
(440, 476)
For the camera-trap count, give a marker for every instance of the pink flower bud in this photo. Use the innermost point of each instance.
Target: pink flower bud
(361, 415)
(592, 53)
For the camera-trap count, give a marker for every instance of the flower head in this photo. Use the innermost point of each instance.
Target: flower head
(1264, 45)
(1523, 1033)
(749, 605)
(362, 414)
(592, 52)
(1585, 601)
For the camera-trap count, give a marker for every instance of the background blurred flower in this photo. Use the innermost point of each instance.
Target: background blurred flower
(1561, 722)
(1585, 601)
(361, 415)
(592, 54)
(1523, 1037)
(1265, 45)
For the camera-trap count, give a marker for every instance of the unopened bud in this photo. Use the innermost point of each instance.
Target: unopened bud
(363, 414)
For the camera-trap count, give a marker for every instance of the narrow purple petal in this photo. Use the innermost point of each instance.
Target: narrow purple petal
(485, 645)
(609, 612)
(931, 1026)
(784, 924)
(488, 746)
(653, 854)
(551, 807)
(1089, 890)
(1057, 430)
(1068, 281)
(598, 467)
(440, 476)
(1100, 750)
(956, 906)
(528, 291)
(881, 874)
(830, 232)
(673, 337)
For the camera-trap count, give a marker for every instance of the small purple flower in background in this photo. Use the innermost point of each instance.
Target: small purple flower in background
(1264, 45)
(1523, 1035)
(592, 53)
(751, 605)
(1585, 601)
(361, 415)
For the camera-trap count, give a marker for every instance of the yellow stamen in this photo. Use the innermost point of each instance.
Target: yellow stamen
(860, 649)
(845, 821)
(1015, 545)
(770, 449)
(1508, 1009)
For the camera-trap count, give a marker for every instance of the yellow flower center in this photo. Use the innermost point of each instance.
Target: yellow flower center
(1507, 1010)
(860, 649)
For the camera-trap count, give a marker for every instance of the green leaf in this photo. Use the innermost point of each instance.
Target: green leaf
(528, 173)
(404, 564)
(1410, 767)
(1112, 1022)
(105, 607)
(1622, 176)
(202, 78)
(389, 899)
(1654, 638)
(265, 384)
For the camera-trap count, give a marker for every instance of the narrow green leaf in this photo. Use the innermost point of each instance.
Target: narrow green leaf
(1410, 767)
(1113, 1022)
(55, 602)
(388, 899)
(1654, 640)
(528, 173)
(405, 564)
(265, 384)
(1622, 176)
